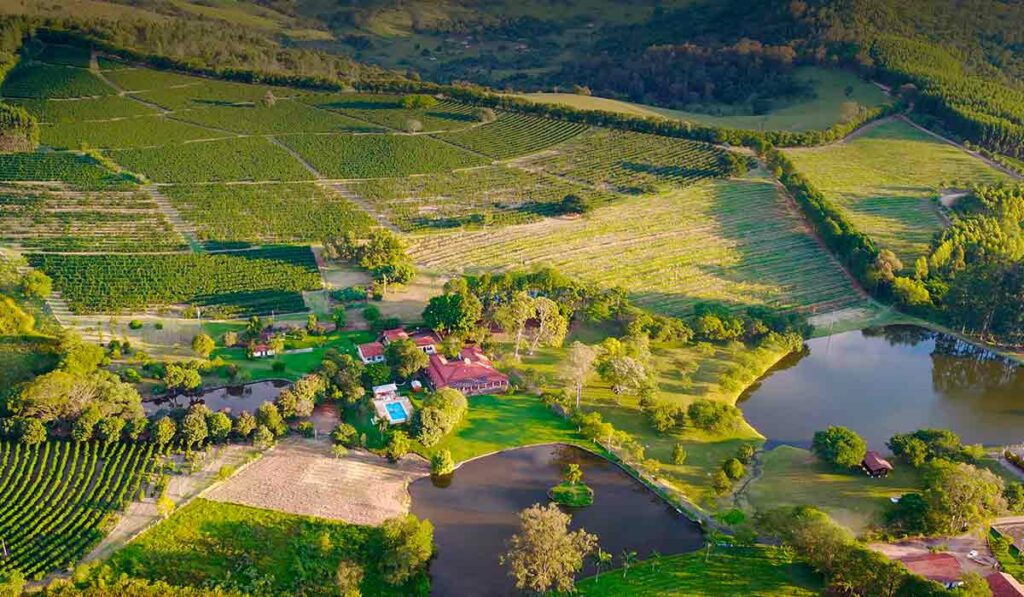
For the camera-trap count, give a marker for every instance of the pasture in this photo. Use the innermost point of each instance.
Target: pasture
(258, 281)
(58, 499)
(887, 180)
(736, 242)
(371, 156)
(270, 213)
(630, 162)
(242, 158)
(492, 196)
(257, 551)
(95, 222)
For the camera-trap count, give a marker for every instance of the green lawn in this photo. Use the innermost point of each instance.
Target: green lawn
(819, 112)
(296, 364)
(256, 551)
(887, 179)
(752, 572)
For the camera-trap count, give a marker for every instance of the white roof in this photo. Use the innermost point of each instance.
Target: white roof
(385, 388)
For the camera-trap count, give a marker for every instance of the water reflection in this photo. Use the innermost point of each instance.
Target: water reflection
(890, 380)
(234, 399)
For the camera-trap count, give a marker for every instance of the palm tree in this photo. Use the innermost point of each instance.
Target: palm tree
(655, 559)
(602, 560)
(712, 539)
(628, 559)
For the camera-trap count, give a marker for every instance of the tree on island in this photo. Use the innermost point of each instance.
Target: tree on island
(544, 555)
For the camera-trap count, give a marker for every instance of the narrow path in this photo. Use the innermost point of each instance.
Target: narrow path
(186, 230)
(55, 303)
(1012, 174)
(305, 164)
(354, 197)
(123, 92)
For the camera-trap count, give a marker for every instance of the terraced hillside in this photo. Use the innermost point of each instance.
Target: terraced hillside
(732, 241)
(58, 499)
(888, 179)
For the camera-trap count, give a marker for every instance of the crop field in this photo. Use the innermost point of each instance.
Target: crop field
(258, 552)
(244, 158)
(387, 111)
(259, 281)
(208, 92)
(79, 110)
(887, 179)
(514, 135)
(143, 131)
(286, 116)
(146, 79)
(65, 55)
(119, 222)
(497, 195)
(77, 170)
(50, 81)
(736, 242)
(373, 156)
(285, 213)
(58, 499)
(631, 162)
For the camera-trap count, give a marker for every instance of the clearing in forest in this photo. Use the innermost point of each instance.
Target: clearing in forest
(888, 179)
(736, 242)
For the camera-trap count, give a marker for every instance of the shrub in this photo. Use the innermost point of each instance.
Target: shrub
(440, 413)
(733, 468)
(678, 455)
(345, 435)
(398, 446)
(442, 463)
(306, 429)
(839, 446)
(135, 324)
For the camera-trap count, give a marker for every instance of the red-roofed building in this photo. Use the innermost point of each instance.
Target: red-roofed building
(874, 465)
(471, 374)
(425, 340)
(1004, 585)
(261, 350)
(943, 568)
(371, 352)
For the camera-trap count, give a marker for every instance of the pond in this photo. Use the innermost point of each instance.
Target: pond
(889, 380)
(235, 399)
(476, 514)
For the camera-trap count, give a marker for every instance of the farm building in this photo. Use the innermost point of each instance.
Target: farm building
(471, 374)
(426, 340)
(371, 352)
(1004, 585)
(390, 406)
(260, 351)
(874, 465)
(943, 568)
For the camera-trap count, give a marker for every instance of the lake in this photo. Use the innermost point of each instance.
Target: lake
(235, 399)
(889, 380)
(477, 512)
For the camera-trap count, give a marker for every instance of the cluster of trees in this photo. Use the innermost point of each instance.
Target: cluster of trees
(19, 130)
(849, 566)
(715, 322)
(688, 75)
(440, 413)
(382, 253)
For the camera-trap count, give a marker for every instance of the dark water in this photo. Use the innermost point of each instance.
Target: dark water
(234, 399)
(890, 380)
(477, 513)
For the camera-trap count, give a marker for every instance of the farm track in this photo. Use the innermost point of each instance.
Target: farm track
(187, 231)
(993, 164)
(363, 204)
(305, 164)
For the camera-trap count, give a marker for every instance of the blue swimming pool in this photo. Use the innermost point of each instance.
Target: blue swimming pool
(396, 412)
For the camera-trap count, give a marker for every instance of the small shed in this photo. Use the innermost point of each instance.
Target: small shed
(874, 465)
(260, 351)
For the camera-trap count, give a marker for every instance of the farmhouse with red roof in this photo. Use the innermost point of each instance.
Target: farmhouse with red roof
(943, 568)
(371, 352)
(471, 374)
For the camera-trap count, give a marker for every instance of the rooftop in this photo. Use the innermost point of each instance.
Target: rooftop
(874, 461)
(1004, 585)
(940, 567)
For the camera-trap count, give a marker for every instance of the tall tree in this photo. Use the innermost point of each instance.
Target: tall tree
(552, 326)
(577, 366)
(544, 555)
(513, 315)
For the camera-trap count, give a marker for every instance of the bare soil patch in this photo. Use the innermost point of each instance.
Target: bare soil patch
(302, 477)
(959, 547)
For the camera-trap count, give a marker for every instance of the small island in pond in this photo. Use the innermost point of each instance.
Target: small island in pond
(572, 492)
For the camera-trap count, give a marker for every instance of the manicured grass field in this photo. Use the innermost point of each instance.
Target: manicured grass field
(56, 498)
(50, 81)
(257, 281)
(296, 364)
(887, 179)
(387, 111)
(500, 422)
(514, 134)
(79, 110)
(793, 476)
(257, 551)
(79, 171)
(748, 571)
(59, 221)
(631, 162)
(142, 131)
(731, 241)
(244, 158)
(497, 195)
(819, 112)
(285, 116)
(299, 212)
(372, 156)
